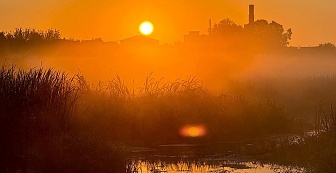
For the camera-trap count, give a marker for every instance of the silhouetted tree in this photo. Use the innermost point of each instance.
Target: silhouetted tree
(260, 34)
(226, 27)
(34, 36)
(25, 38)
(271, 34)
(327, 47)
(20, 35)
(51, 35)
(260, 26)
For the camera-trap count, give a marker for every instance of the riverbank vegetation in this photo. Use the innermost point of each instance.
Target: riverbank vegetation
(50, 120)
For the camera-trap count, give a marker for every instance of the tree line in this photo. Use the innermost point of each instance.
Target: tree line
(260, 33)
(30, 35)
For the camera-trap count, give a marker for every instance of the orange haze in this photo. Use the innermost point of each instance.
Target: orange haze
(310, 20)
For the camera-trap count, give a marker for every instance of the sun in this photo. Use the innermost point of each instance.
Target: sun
(146, 28)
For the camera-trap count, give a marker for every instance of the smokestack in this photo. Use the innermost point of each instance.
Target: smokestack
(251, 14)
(209, 26)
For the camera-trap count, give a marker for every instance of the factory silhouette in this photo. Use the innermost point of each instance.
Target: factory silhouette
(261, 33)
(257, 36)
(224, 31)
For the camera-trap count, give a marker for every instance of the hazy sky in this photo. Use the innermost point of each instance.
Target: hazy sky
(312, 21)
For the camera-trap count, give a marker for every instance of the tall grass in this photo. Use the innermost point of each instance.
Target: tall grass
(299, 95)
(36, 110)
(52, 122)
(322, 146)
(156, 111)
(317, 152)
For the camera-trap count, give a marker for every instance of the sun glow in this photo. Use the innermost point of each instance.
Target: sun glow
(146, 28)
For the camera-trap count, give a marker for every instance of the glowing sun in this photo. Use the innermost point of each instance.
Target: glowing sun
(146, 28)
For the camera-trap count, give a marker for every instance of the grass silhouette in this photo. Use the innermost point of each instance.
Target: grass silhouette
(50, 121)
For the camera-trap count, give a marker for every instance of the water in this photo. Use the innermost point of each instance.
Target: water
(206, 165)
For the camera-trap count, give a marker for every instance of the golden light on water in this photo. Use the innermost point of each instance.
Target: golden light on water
(193, 131)
(146, 28)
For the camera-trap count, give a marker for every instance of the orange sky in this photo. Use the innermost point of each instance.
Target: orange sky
(312, 21)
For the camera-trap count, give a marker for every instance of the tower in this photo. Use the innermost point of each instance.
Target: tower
(251, 14)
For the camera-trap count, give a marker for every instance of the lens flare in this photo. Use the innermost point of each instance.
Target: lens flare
(193, 131)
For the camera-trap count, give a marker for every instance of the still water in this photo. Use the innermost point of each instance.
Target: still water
(207, 165)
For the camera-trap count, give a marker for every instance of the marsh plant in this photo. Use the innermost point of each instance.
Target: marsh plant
(36, 113)
(50, 121)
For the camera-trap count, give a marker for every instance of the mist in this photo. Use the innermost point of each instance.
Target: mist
(99, 62)
(217, 94)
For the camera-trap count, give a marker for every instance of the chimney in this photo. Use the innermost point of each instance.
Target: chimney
(251, 14)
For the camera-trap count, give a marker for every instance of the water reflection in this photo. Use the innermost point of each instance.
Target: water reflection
(205, 165)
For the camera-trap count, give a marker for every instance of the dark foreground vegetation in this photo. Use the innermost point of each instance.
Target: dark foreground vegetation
(54, 123)
(317, 152)
(39, 130)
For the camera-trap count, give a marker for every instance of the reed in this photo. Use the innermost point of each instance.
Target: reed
(48, 118)
(37, 109)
